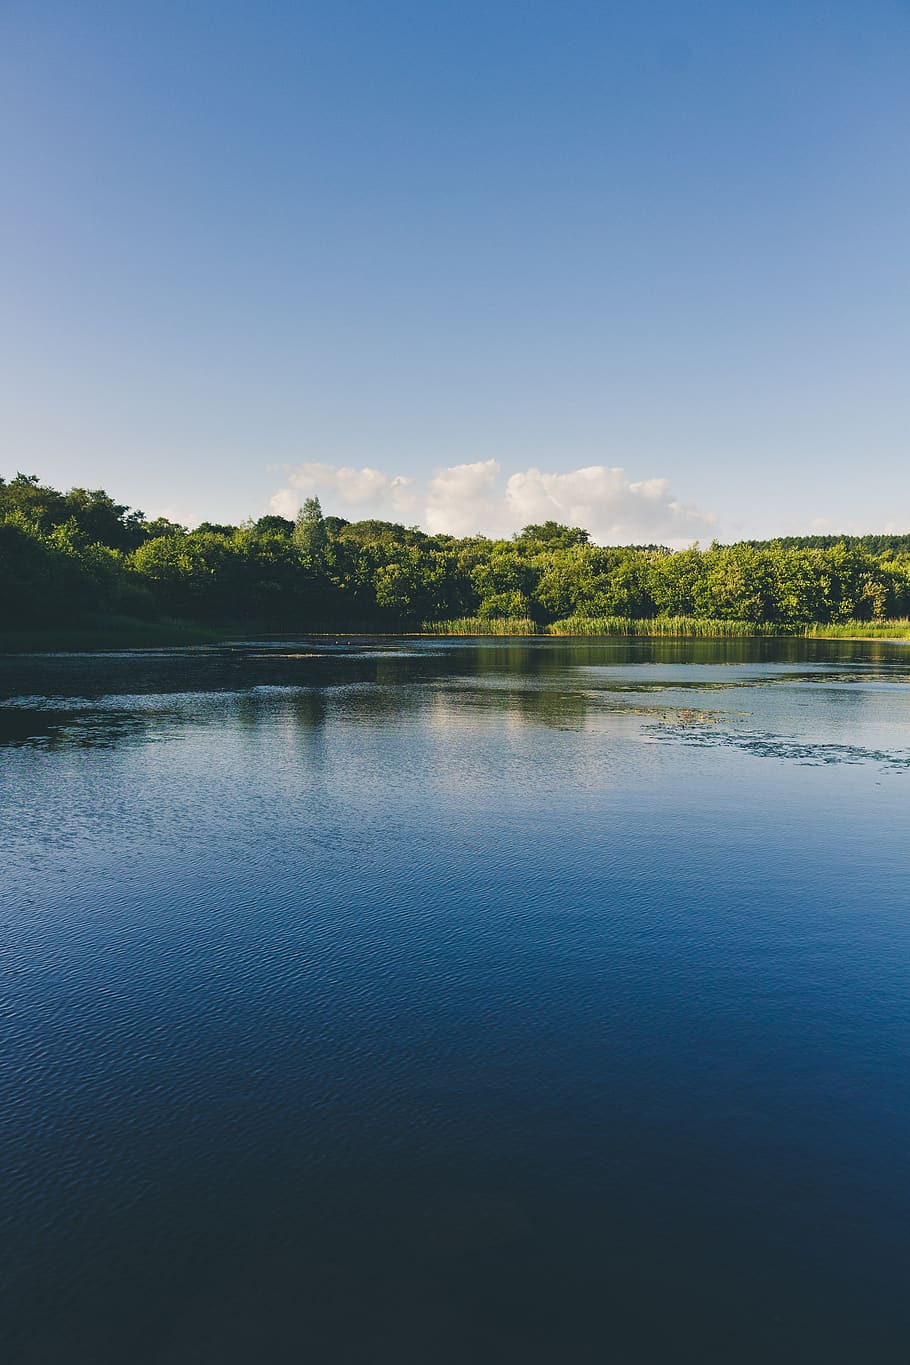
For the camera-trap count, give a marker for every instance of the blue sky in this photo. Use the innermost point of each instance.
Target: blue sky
(251, 251)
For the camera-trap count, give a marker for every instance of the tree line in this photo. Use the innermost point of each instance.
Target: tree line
(69, 557)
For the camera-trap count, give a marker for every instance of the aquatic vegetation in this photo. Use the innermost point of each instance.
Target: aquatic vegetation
(863, 630)
(478, 625)
(662, 625)
(668, 626)
(704, 731)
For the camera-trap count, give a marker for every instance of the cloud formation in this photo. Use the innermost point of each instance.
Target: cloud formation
(465, 499)
(355, 493)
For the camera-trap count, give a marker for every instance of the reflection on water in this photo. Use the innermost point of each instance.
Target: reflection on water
(105, 699)
(97, 700)
(428, 1000)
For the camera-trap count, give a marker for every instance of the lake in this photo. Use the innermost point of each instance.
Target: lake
(434, 1000)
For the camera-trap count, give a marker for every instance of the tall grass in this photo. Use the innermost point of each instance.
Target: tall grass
(681, 626)
(476, 625)
(859, 630)
(662, 625)
(127, 633)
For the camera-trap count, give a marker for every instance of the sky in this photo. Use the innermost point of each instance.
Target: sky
(637, 266)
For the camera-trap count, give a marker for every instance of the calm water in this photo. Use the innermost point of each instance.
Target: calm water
(436, 1002)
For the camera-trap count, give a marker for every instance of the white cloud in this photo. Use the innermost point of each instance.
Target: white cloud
(603, 500)
(466, 499)
(354, 493)
(285, 503)
(463, 500)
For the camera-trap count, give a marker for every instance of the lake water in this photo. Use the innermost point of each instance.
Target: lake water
(436, 1001)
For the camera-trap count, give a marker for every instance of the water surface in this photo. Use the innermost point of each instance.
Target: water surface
(441, 1001)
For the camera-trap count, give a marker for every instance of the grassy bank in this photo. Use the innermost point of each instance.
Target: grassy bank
(122, 632)
(476, 625)
(112, 632)
(682, 627)
(603, 625)
(663, 625)
(860, 630)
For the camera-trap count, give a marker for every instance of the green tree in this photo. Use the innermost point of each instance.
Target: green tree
(310, 534)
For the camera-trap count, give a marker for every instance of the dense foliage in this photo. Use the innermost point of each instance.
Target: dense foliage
(65, 557)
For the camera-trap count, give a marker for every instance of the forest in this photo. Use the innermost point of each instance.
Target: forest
(79, 558)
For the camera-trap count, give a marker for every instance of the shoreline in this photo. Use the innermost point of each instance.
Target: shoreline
(186, 634)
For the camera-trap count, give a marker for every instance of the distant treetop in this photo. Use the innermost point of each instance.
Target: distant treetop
(552, 534)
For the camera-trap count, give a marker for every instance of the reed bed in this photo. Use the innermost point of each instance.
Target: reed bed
(669, 626)
(663, 625)
(476, 625)
(859, 630)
